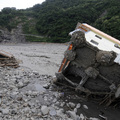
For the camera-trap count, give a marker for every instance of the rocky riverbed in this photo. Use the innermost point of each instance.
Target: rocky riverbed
(27, 92)
(26, 95)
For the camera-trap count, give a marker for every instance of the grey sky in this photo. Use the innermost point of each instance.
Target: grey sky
(19, 4)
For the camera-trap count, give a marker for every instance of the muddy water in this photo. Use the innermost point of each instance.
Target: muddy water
(44, 58)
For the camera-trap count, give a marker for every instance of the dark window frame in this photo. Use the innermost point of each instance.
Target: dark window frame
(94, 42)
(98, 36)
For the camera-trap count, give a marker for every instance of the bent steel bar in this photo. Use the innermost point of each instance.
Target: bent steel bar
(65, 62)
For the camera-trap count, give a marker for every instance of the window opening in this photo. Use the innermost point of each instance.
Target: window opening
(98, 36)
(96, 43)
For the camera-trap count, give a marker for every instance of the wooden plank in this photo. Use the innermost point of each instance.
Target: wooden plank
(6, 54)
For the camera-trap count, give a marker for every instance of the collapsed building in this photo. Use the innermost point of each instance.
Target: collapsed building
(91, 64)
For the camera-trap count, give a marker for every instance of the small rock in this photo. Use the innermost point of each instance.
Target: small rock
(45, 98)
(82, 117)
(52, 111)
(35, 73)
(25, 104)
(33, 110)
(26, 81)
(78, 105)
(32, 118)
(44, 110)
(20, 84)
(46, 86)
(57, 103)
(60, 112)
(14, 111)
(75, 110)
(93, 118)
(62, 104)
(5, 111)
(72, 115)
(41, 119)
(18, 77)
(61, 94)
(0, 99)
(39, 114)
(54, 100)
(19, 98)
(34, 93)
(29, 93)
(85, 106)
(72, 105)
(26, 110)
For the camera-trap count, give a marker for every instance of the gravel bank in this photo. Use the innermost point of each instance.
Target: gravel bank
(27, 95)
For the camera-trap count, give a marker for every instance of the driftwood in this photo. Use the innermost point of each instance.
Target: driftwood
(7, 59)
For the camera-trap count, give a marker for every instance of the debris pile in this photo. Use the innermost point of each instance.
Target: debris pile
(7, 59)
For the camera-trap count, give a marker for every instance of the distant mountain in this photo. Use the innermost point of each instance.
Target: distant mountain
(54, 19)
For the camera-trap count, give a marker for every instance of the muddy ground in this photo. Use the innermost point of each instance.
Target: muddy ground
(23, 93)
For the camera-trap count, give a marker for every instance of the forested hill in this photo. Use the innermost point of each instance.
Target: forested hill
(54, 19)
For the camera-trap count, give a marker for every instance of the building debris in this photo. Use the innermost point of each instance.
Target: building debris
(7, 59)
(91, 64)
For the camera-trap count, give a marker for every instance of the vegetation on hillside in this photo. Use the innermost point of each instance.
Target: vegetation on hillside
(54, 19)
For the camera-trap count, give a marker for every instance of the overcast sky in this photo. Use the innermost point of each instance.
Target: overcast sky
(19, 4)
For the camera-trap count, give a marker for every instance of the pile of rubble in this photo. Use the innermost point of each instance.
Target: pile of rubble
(7, 59)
